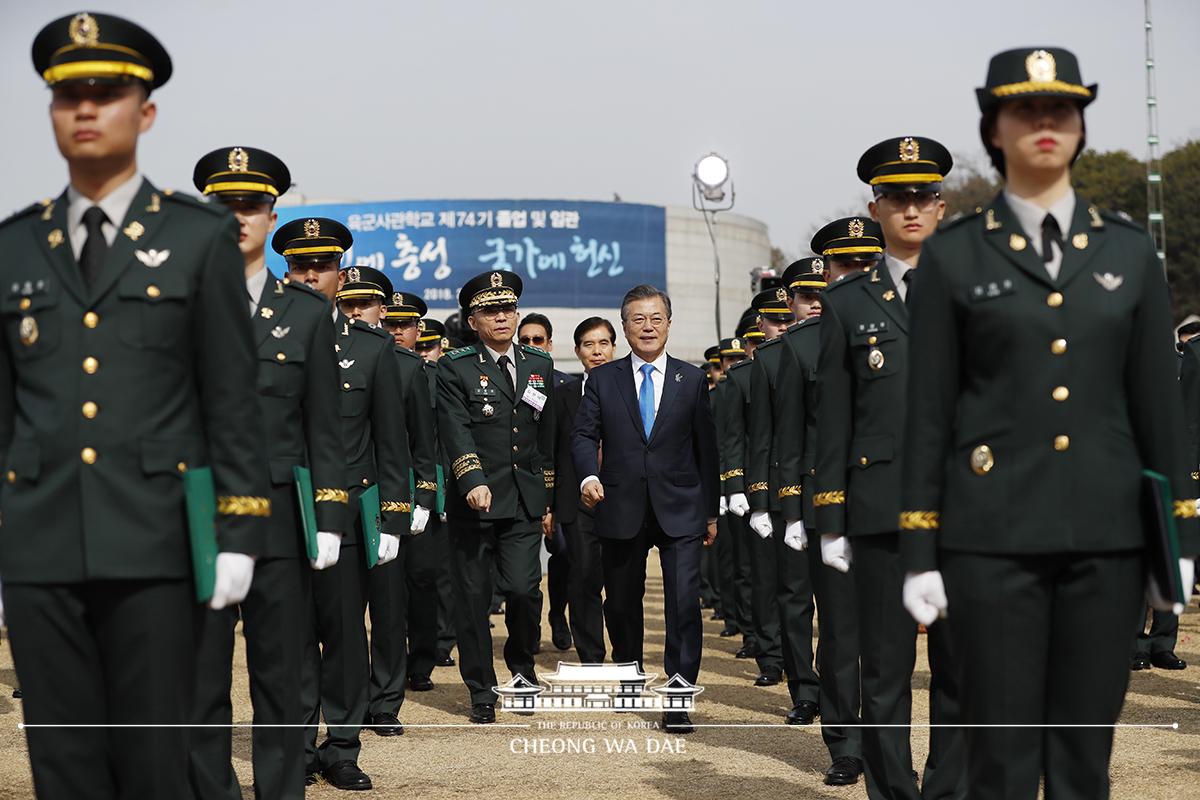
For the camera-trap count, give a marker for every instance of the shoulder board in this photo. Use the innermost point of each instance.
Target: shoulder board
(769, 342)
(429, 364)
(537, 351)
(744, 363)
(41, 205)
(1121, 218)
(302, 288)
(190, 201)
(461, 352)
(362, 327)
(404, 351)
(959, 219)
(845, 279)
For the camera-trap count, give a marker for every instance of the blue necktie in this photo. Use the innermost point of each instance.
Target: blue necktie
(646, 399)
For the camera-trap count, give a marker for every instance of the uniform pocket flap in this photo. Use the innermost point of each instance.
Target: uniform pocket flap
(871, 333)
(29, 297)
(24, 459)
(868, 450)
(282, 352)
(153, 285)
(171, 455)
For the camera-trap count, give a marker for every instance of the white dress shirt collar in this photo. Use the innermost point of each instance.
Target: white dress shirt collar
(660, 363)
(254, 286)
(115, 205)
(1030, 215)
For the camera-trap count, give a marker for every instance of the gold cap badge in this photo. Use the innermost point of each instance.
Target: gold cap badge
(352, 275)
(397, 299)
(84, 30)
(497, 280)
(735, 343)
(818, 266)
(856, 228)
(312, 229)
(420, 326)
(239, 160)
(1041, 67)
(910, 150)
(781, 295)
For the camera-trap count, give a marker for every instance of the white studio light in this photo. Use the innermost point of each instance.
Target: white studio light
(711, 172)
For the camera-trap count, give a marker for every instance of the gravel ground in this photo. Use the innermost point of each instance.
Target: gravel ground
(764, 762)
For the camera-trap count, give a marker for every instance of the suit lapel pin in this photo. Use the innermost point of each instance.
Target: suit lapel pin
(279, 332)
(346, 363)
(889, 295)
(49, 210)
(279, 286)
(134, 230)
(1109, 281)
(990, 220)
(1095, 215)
(1016, 242)
(152, 258)
(679, 377)
(346, 329)
(266, 312)
(875, 276)
(55, 238)
(1080, 240)
(155, 204)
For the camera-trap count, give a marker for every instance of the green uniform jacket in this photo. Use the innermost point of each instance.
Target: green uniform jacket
(373, 431)
(418, 417)
(440, 452)
(862, 371)
(108, 394)
(298, 401)
(511, 449)
(1069, 384)
(762, 468)
(716, 396)
(735, 405)
(796, 419)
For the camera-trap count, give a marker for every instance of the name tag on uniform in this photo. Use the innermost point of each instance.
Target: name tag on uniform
(534, 398)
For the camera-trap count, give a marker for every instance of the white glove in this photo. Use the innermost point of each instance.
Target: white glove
(389, 548)
(1198, 505)
(329, 547)
(738, 504)
(835, 551)
(794, 535)
(441, 517)
(420, 518)
(1159, 602)
(234, 573)
(925, 596)
(725, 506)
(760, 523)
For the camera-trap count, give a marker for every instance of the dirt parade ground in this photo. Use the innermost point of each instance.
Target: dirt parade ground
(761, 762)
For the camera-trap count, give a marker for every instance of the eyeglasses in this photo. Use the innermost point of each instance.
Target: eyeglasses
(900, 201)
(491, 312)
(656, 321)
(537, 341)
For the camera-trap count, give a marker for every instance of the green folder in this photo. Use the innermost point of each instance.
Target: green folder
(368, 507)
(200, 496)
(441, 492)
(1162, 554)
(307, 508)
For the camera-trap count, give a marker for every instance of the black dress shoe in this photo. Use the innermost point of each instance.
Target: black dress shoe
(560, 634)
(844, 771)
(1139, 661)
(1166, 659)
(748, 651)
(768, 678)
(384, 725)
(677, 722)
(443, 660)
(727, 632)
(803, 713)
(420, 683)
(17, 693)
(496, 609)
(483, 713)
(346, 775)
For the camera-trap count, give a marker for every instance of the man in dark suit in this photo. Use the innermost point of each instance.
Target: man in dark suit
(594, 342)
(652, 416)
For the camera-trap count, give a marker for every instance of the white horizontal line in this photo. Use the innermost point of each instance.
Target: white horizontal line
(1170, 725)
(22, 725)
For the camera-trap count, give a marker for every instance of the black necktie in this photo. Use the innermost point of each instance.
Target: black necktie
(504, 362)
(1050, 233)
(95, 248)
(907, 278)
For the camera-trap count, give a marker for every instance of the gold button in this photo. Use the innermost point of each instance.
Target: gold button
(1062, 443)
(91, 319)
(345, 386)
(152, 291)
(1060, 393)
(1054, 300)
(514, 448)
(863, 461)
(88, 455)
(90, 365)
(873, 340)
(12, 476)
(280, 357)
(515, 430)
(90, 410)
(1058, 346)
(26, 303)
(181, 466)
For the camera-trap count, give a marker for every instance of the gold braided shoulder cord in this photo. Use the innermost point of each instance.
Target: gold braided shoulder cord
(243, 506)
(331, 496)
(829, 499)
(919, 520)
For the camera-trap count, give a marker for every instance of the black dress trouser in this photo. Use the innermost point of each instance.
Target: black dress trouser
(585, 588)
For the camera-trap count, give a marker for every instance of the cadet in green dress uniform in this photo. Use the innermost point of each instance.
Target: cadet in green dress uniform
(861, 375)
(789, 581)
(731, 448)
(735, 609)
(432, 342)
(123, 364)
(710, 576)
(335, 670)
(297, 397)
(1046, 383)
(387, 585)
(496, 422)
(797, 430)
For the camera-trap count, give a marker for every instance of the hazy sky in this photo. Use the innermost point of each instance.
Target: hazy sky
(570, 100)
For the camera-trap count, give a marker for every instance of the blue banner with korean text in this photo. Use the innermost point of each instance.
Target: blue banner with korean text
(569, 254)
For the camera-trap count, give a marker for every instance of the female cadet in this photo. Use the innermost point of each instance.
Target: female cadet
(1045, 386)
